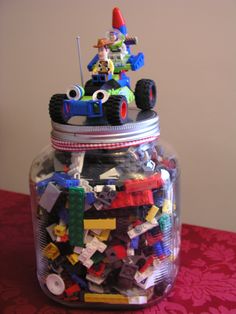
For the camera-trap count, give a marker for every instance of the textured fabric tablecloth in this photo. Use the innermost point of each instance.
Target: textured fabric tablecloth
(206, 282)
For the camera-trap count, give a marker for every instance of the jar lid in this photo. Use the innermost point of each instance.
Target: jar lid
(142, 126)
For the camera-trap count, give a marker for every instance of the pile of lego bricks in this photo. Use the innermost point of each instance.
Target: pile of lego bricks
(111, 242)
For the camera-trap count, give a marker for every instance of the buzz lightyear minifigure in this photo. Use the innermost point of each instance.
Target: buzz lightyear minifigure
(117, 47)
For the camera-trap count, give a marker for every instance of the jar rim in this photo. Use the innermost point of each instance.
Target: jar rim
(142, 127)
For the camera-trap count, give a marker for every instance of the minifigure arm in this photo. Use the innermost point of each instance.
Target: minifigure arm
(111, 66)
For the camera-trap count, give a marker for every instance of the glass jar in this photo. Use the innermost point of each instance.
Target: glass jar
(105, 208)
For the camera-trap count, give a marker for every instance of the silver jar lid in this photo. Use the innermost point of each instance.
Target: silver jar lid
(141, 126)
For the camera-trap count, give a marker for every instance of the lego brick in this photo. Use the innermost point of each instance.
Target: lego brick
(135, 185)
(72, 290)
(104, 235)
(64, 180)
(140, 229)
(124, 199)
(76, 214)
(165, 222)
(152, 213)
(73, 258)
(100, 223)
(106, 298)
(60, 230)
(138, 299)
(49, 197)
(51, 251)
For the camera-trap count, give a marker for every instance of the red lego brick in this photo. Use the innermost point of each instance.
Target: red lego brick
(120, 251)
(124, 199)
(151, 239)
(150, 183)
(148, 263)
(97, 270)
(72, 290)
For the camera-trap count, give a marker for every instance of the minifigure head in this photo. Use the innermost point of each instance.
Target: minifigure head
(113, 36)
(103, 49)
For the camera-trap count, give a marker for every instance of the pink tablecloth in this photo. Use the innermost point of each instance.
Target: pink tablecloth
(206, 282)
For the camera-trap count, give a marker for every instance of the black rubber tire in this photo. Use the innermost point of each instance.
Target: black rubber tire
(114, 107)
(145, 94)
(56, 108)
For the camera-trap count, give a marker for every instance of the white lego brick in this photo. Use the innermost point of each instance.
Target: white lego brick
(95, 288)
(141, 276)
(97, 245)
(98, 188)
(49, 197)
(137, 299)
(88, 263)
(140, 229)
(151, 280)
(110, 174)
(95, 279)
(96, 231)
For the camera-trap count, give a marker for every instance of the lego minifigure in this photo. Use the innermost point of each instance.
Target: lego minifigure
(104, 64)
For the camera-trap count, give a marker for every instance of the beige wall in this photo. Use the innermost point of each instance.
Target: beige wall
(190, 52)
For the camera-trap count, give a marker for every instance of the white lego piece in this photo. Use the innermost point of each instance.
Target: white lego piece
(85, 184)
(49, 197)
(151, 280)
(50, 230)
(130, 252)
(110, 174)
(97, 245)
(95, 279)
(96, 231)
(140, 229)
(141, 276)
(88, 263)
(78, 249)
(95, 288)
(98, 188)
(137, 299)
(77, 162)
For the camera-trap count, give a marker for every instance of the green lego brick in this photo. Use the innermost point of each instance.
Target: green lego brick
(76, 216)
(97, 257)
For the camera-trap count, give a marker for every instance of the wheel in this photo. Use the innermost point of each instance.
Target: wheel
(117, 110)
(56, 108)
(145, 94)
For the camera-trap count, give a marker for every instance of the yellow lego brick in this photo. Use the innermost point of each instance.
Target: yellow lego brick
(106, 298)
(104, 235)
(73, 258)
(51, 251)
(167, 207)
(59, 230)
(152, 213)
(100, 224)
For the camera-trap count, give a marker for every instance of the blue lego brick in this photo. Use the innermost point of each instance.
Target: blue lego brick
(92, 62)
(134, 243)
(88, 108)
(79, 281)
(137, 61)
(64, 180)
(158, 249)
(90, 198)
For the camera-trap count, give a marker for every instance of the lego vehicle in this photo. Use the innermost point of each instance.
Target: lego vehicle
(107, 95)
(96, 100)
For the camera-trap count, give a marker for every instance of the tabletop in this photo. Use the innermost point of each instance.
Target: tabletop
(206, 282)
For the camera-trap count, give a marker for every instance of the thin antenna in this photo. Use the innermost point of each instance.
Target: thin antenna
(80, 63)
